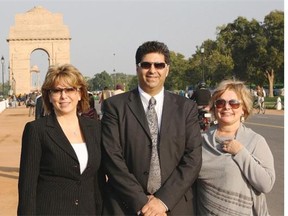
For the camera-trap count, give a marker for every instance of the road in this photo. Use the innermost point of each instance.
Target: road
(272, 128)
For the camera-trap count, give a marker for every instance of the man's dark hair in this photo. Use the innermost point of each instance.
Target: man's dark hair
(152, 47)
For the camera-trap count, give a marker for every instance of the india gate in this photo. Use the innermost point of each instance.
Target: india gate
(37, 29)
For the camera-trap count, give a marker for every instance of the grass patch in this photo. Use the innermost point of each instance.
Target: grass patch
(271, 102)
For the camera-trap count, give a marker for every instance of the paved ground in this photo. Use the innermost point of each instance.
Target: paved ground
(11, 128)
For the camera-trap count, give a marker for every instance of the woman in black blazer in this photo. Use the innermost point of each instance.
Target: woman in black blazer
(60, 170)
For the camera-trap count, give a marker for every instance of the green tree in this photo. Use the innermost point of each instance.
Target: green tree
(273, 60)
(257, 49)
(121, 78)
(251, 51)
(101, 80)
(211, 63)
(133, 82)
(177, 78)
(237, 36)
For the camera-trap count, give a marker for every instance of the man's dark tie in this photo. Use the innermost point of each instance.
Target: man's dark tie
(154, 180)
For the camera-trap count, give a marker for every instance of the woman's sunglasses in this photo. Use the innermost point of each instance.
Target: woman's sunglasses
(147, 65)
(221, 103)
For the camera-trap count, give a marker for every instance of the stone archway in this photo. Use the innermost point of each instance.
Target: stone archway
(36, 29)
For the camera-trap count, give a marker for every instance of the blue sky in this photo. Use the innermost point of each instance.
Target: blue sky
(100, 29)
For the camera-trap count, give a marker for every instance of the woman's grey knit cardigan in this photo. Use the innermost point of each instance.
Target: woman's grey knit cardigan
(231, 185)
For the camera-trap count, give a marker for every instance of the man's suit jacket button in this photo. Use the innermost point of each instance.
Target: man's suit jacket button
(75, 166)
(76, 202)
(146, 173)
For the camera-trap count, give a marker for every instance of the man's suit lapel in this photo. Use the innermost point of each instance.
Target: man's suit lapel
(137, 109)
(169, 108)
(57, 135)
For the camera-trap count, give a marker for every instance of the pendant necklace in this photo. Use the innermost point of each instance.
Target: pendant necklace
(74, 132)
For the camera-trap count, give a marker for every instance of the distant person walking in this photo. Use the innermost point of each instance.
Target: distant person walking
(31, 103)
(118, 89)
(106, 93)
(202, 96)
(39, 107)
(14, 101)
(261, 94)
(91, 112)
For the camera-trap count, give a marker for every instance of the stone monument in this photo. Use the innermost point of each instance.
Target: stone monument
(37, 29)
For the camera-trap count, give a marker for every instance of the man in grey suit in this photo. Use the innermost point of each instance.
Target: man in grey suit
(128, 143)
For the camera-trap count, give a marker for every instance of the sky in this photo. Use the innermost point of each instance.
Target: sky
(106, 34)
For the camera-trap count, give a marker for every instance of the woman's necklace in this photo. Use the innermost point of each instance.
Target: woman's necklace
(70, 129)
(75, 133)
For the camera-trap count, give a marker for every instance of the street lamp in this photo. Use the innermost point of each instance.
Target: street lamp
(2, 62)
(9, 82)
(114, 71)
(13, 82)
(202, 52)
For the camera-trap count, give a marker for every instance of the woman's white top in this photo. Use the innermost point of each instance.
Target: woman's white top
(82, 155)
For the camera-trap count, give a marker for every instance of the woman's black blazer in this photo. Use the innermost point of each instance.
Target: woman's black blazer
(50, 182)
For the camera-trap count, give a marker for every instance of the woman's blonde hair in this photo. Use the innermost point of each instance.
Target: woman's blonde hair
(242, 92)
(70, 75)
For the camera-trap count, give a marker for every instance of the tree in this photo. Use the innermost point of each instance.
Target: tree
(238, 37)
(251, 51)
(211, 65)
(133, 82)
(274, 59)
(177, 76)
(257, 49)
(101, 80)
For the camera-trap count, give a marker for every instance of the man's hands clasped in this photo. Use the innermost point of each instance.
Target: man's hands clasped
(154, 207)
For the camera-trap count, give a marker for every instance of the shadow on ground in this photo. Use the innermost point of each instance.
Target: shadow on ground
(17, 115)
(5, 170)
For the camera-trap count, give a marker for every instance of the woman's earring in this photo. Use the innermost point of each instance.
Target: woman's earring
(242, 118)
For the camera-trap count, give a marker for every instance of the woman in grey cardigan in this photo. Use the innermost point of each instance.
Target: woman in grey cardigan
(238, 166)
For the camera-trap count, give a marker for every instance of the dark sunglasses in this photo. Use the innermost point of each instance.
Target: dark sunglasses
(147, 65)
(221, 103)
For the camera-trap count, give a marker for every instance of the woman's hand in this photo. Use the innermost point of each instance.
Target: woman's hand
(232, 146)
